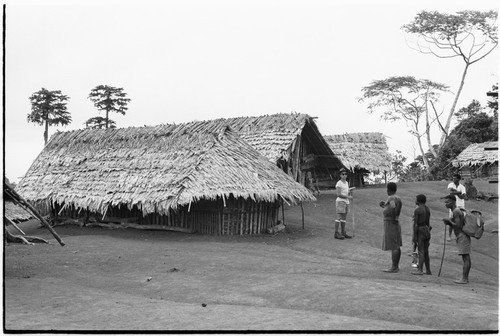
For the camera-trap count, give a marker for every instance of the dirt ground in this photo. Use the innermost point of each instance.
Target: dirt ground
(302, 279)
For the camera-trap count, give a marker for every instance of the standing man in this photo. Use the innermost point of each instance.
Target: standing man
(342, 204)
(456, 222)
(392, 240)
(422, 234)
(457, 189)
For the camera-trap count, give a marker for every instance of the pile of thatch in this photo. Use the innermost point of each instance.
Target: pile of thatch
(155, 168)
(478, 154)
(361, 151)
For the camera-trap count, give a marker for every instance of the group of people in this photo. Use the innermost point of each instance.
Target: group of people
(392, 239)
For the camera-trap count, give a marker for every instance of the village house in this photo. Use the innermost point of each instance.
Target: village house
(193, 177)
(361, 153)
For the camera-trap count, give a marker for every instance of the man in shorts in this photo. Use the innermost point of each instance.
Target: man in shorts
(457, 189)
(342, 204)
(457, 221)
(422, 234)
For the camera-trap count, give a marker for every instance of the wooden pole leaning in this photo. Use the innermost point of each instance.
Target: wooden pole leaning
(23, 203)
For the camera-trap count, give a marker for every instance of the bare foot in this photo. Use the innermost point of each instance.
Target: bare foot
(461, 282)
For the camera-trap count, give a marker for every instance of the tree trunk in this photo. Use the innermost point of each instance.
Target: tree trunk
(46, 132)
(107, 118)
(428, 133)
(453, 106)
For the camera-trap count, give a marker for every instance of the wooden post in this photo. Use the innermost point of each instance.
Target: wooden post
(302, 208)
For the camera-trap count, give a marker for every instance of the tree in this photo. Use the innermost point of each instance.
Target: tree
(406, 98)
(469, 35)
(398, 164)
(108, 99)
(48, 108)
(478, 127)
(99, 122)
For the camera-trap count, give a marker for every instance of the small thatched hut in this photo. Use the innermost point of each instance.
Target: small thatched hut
(361, 153)
(194, 177)
(478, 160)
(290, 140)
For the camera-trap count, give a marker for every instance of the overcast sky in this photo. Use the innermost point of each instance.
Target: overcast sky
(180, 61)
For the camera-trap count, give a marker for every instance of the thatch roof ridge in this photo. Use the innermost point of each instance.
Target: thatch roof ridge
(477, 154)
(155, 167)
(366, 150)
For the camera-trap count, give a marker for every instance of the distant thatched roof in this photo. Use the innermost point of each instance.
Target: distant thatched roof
(156, 168)
(274, 135)
(477, 154)
(361, 150)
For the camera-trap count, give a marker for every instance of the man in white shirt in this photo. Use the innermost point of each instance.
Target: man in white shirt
(342, 204)
(457, 189)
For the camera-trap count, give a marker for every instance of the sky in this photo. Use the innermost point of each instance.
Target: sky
(180, 61)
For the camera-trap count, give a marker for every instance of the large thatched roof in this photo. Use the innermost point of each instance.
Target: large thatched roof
(274, 135)
(477, 154)
(156, 168)
(361, 150)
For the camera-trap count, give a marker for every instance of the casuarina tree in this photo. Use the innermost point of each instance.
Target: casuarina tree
(49, 108)
(468, 35)
(108, 99)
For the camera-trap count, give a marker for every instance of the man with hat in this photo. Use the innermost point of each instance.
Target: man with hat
(457, 221)
(342, 204)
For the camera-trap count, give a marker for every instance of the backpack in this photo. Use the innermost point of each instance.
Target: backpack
(474, 224)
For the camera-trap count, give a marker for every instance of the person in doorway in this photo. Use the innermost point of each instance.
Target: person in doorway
(422, 234)
(342, 205)
(456, 222)
(458, 190)
(392, 240)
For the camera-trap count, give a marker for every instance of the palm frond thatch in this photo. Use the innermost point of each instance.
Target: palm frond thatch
(156, 168)
(478, 154)
(361, 150)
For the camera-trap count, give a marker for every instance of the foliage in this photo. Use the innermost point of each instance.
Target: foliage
(466, 112)
(49, 108)
(398, 165)
(108, 99)
(99, 122)
(468, 35)
(407, 98)
(478, 127)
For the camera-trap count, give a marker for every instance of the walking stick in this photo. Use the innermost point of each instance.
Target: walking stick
(353, 226)
(444, 248)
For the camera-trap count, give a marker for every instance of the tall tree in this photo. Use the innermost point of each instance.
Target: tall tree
(406, 98)
(109, 99)
(468, 35)
(49, 108)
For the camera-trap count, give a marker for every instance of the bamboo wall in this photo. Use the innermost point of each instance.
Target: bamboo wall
(237, 217)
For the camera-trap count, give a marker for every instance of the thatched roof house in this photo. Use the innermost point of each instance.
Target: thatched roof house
(291, 140)
(478, 159)
(361, 153)
(198, 176)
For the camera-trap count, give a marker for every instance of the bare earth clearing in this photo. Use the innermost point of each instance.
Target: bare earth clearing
(127, 279)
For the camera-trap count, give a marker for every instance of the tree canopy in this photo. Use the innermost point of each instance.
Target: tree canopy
(406, 98)
(108, 99)
(49, 108)
(468, 35)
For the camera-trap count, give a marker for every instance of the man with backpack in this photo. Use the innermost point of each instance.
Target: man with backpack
(456, 221)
